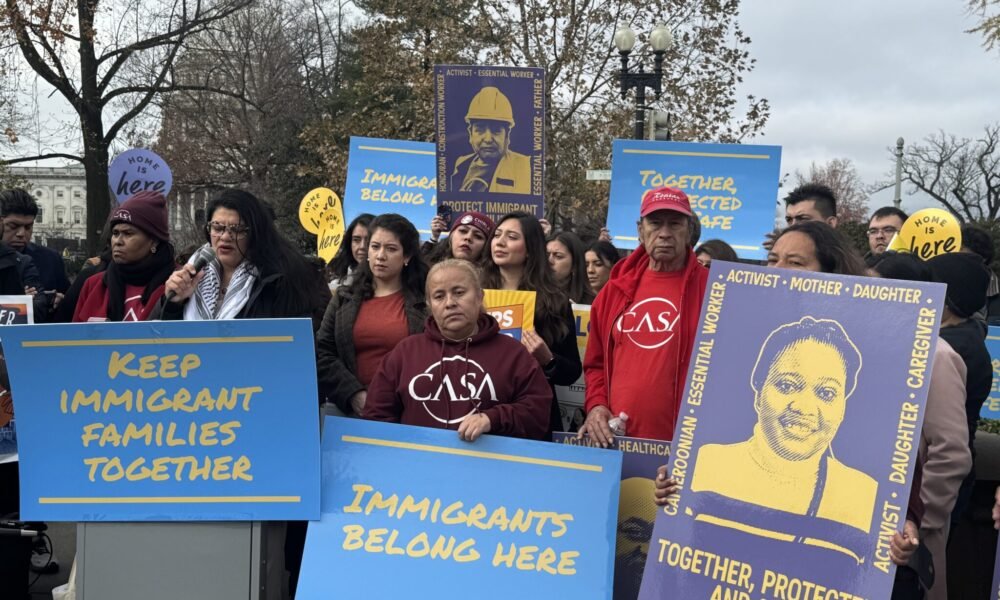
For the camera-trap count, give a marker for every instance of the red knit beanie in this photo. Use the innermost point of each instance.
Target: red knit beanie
(146, 210)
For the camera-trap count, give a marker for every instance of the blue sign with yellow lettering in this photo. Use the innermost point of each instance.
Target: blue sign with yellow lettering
(414, 512)
(732, 187)
(391, 176)
(165, 421)
(991, 408)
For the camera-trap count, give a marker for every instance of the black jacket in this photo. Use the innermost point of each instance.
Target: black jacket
(51, 267)
(566, 366)
(336, 363)
(262, 303)
(11, 283)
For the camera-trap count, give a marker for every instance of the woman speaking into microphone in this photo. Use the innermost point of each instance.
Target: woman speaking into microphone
(256, 273)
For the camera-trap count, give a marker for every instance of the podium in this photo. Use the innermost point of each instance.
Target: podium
(170, 560)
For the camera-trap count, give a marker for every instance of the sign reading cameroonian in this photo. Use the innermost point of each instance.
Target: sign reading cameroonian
(797, 436)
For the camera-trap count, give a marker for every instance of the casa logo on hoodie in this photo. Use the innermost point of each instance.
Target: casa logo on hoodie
(649, 323)
(453, 379)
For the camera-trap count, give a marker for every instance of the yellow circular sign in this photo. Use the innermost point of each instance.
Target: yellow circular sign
(314, 205)
(928, 233)
(331, 233)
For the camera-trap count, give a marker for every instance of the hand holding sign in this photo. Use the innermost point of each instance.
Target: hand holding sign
(928, 233)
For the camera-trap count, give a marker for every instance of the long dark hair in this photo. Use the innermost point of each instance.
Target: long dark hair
(442, 252)
(577, 288)
(550, 301)
(271, 253)
(344, 259)
(718, 250)
(414, 274)
(605, 251)
(834, 253)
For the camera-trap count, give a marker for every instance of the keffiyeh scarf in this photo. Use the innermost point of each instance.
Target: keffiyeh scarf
(205, 304)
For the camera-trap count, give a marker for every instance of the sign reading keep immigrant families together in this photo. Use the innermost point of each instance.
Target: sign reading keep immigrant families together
(166, 421)
(797, 436)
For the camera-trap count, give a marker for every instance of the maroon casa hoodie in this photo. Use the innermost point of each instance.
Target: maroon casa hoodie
(435, 382)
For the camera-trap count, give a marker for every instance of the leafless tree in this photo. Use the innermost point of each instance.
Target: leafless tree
(109, 60)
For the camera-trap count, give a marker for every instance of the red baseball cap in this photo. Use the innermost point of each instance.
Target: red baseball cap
(665, 198)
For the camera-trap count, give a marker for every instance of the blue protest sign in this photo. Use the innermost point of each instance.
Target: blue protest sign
(490, 124)
(732, 188)
(391, 176)
(138, 170)
(797, 437)
(415, 512)
(164, 421)
(991, 408)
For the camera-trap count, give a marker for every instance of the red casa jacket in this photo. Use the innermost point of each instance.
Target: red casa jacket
(616, 296)
(435, 382)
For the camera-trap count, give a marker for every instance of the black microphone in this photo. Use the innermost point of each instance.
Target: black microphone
(199, 260)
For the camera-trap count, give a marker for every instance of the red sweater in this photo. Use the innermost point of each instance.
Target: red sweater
(431, 381)
(93, 302)
(598, 364)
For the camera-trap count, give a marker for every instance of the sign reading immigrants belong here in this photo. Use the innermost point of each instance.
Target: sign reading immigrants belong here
(166, 420)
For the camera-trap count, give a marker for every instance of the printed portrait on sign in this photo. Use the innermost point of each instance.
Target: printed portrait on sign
(801, 387)
(492, 166)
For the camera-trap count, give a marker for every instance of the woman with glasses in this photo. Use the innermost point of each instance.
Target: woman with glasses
(256, 273)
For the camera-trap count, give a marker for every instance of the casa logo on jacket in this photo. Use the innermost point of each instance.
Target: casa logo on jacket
(449, 380)
(649, 323)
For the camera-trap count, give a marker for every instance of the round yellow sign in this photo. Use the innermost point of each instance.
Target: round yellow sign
(928, 233)
(314, 205)
(331, 233)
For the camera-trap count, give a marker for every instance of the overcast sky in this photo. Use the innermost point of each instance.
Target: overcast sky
(846, 78)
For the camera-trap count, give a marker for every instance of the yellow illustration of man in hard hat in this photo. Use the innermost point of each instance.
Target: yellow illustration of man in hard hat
(493, 166)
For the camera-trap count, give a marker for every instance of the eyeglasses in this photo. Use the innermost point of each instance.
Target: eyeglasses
(235, 231)
(888, 231)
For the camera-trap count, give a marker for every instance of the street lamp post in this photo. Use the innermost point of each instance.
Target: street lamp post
(897, 199)
(660, 40)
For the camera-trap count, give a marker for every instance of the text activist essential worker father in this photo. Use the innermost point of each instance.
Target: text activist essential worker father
(492, 166)
(804, 375)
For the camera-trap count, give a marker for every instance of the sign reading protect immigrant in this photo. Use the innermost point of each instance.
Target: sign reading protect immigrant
(797, 436)
(163, 421)
(490, 124)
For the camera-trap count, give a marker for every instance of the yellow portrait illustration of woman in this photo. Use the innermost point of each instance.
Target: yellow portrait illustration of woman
(804, 376)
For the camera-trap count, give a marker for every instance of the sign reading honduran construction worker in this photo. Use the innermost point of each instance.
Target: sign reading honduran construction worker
(513, 310)
(636, 508)
(415, 512)
(571, 397)
(732, 188)
(391, 176)
(138, 170)
(14, 310)
(928, 233)
(991, 408)
(797, 436)
(490, 124)
(166, 420)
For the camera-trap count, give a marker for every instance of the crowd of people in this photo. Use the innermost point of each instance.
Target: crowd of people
(402, 334)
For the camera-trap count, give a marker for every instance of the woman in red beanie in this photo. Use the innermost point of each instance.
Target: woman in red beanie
(468, 239)
(141, 261)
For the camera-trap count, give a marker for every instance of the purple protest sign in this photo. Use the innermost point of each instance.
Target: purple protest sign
(797, 436)
(137, 170)
(490, 124)
(636, 507)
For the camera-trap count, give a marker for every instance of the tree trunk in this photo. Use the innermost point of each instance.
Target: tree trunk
(95, 162)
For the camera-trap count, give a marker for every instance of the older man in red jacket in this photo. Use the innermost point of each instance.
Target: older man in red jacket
(643, 325)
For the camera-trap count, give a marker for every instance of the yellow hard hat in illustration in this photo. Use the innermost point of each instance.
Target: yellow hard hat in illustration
(491, 105)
